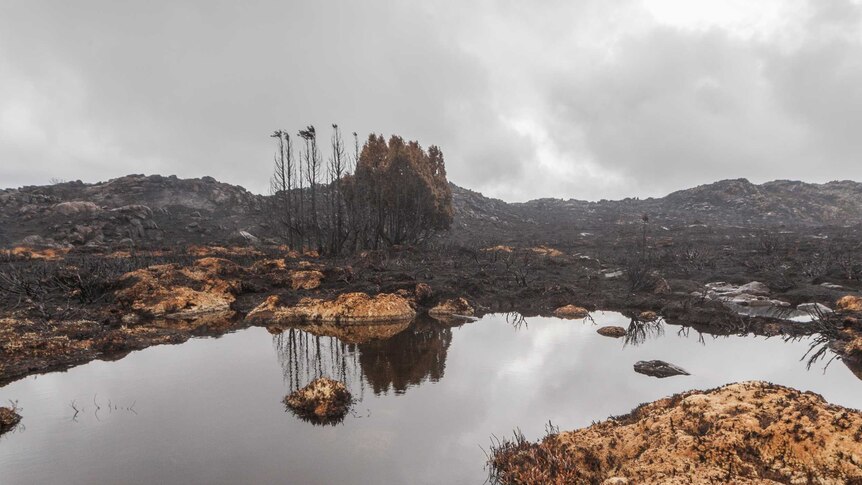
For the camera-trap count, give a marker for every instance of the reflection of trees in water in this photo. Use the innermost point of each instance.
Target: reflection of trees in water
(516, 320)
(686, 331)
(407, 358)
(304, 357)
(640, 331)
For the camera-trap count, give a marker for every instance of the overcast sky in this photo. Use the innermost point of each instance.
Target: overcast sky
(576, 99)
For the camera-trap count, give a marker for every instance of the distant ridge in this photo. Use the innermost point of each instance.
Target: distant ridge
(154, 209)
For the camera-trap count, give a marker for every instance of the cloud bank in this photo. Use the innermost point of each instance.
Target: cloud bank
(581, 99)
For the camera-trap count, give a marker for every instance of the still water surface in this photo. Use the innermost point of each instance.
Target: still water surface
(210, 411)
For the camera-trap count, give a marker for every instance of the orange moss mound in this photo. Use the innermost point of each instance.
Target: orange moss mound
(346, 309)
(745, 433)
(50, 254)
(458, 306)
(177, 292)
(8, 419)
(322, 401)
(305, 280)
(648, 316)
(849, 303)
(498, 249)
(546, 251)
(203, 251)
(612, 331)
(571, 311)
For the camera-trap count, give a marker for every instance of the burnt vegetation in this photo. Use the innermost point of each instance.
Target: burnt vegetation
(380, 195)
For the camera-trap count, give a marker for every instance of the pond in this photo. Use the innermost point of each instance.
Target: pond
(430, 399)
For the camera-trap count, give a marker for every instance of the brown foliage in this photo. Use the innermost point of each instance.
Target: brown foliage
(402, 191)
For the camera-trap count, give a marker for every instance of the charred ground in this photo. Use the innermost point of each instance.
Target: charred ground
(77, 254)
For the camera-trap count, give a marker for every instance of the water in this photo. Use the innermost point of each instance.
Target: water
(210, 411)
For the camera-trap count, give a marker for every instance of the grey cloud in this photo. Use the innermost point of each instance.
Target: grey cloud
(575, 99)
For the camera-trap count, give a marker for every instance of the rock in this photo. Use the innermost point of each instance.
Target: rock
(136, 211)
(9, 418)
(849, 303)
(743, 433)
(346, 309)
(305, 280)
(458, 306)
(36, 241)
(751, 300)
(423, 292)
(727, 290)
(323, 401)
(76, 207)
(814, 309)
(612, 331)
(571, 312)
(832, 286)
(251, 238)
(659, 368)
(755, 288)
(613, 274)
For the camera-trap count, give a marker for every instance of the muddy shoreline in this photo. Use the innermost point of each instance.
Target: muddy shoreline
(75, 306)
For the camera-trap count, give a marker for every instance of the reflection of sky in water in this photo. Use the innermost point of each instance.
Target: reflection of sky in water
(209, 411)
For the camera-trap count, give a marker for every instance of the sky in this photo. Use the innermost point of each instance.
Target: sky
(585, 99)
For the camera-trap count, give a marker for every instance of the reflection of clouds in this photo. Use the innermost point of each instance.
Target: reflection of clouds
(210, 410)
(543, 342)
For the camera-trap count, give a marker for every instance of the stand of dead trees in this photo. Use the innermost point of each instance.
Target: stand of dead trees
(384, 194)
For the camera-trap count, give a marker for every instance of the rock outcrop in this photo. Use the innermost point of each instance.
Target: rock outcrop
(744, 433)
(752, 299)
(323, 401)
(347, 308)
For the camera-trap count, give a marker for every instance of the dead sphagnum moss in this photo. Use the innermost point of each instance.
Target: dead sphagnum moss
(323, 401)
(744, 433)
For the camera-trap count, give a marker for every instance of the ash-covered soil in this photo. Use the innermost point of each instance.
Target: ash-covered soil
(63, 308)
